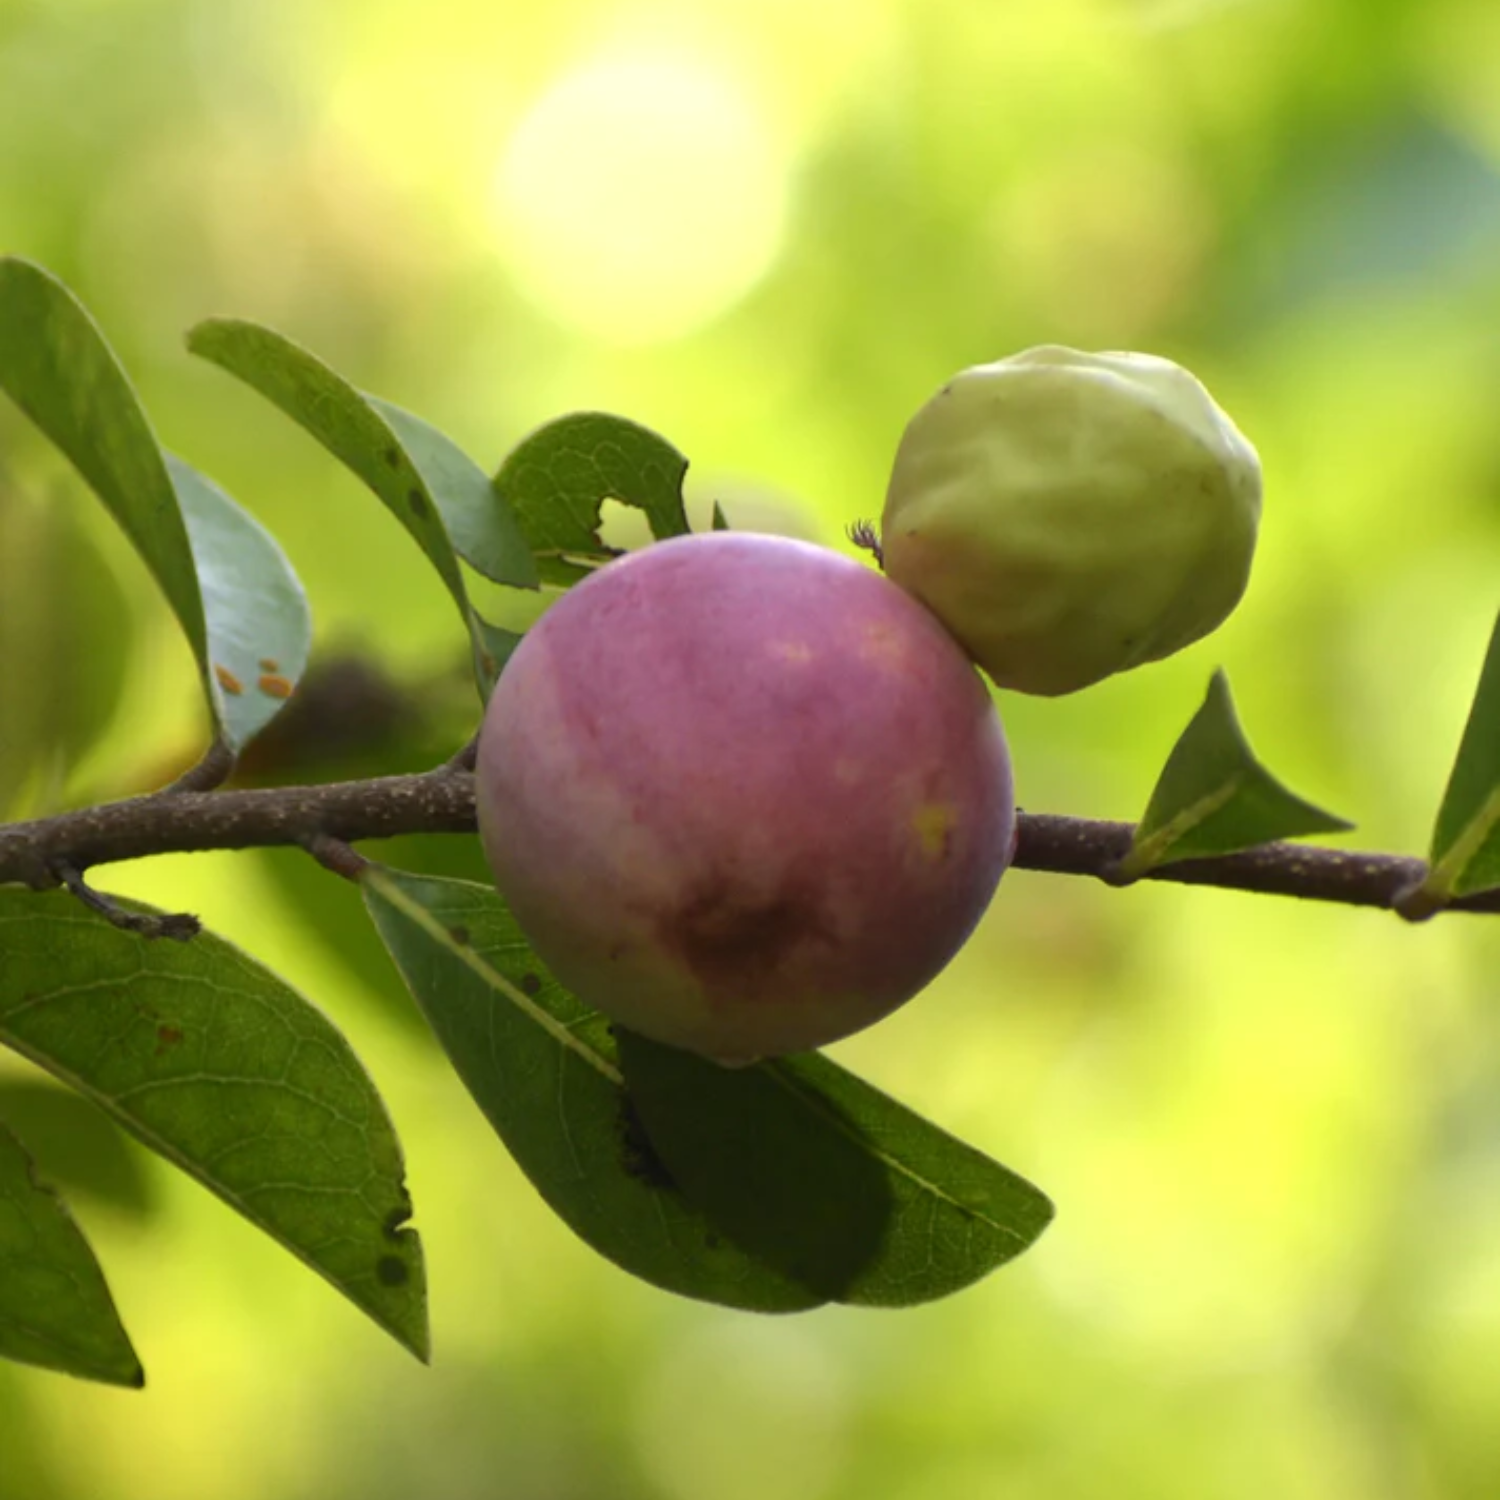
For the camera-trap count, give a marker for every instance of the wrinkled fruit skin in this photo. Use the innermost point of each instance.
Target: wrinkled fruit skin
(743, 794)
(1069, 515)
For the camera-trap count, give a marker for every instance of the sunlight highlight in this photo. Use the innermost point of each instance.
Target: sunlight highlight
(640, 198)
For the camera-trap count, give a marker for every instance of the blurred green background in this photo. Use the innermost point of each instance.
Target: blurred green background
(771, 229)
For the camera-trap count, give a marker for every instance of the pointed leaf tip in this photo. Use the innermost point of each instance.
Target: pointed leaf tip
(55, 1307)
(823, 1176)
(1214, 796)
(1465, 854)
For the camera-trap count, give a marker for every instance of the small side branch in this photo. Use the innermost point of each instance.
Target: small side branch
(179, 926)
(213, 770)
(464, 760)
(336, 855)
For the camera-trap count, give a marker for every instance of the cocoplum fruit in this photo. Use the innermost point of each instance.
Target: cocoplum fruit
(1072, 515)
(743, 794)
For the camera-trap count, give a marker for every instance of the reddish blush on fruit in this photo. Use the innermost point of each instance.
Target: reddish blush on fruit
(743, 794)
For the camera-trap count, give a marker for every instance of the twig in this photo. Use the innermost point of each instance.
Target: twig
(442, 801)
(1080, 846)
(179, 926)
(213, 770)
(187, 822)
(336, 855)
(463, 760)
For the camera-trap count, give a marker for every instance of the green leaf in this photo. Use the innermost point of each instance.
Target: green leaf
(721, 521)
(350, 427)
(774, 1188)
(1214, 797)
(784, 1174)
(484, 532)
(545, 1072)
(258, 619)
(65, 619)
(824, 1177)
(1465, 855)
(57, 367)
(77, 1145)
(557, 479)
(332, 915)
(55, 1308)
(214, 1063)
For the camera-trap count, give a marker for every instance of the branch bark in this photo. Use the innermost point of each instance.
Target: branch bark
(439, 801)
(37, 853)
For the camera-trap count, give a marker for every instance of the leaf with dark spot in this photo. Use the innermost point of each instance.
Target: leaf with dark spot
(543, 1069)
(827, 1179)
(259, 1098)
(359, 433)
(772, 1188)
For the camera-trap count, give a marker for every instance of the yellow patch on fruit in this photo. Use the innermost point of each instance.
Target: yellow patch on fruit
(795, 651)
(933, 823)
(882, 643)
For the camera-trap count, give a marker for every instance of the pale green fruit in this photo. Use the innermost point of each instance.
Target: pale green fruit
(1068, 516)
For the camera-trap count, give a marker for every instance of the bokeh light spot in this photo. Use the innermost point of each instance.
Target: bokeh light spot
(640, 197)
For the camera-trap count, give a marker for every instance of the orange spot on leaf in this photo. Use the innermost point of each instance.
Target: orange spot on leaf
(274, 686)
(228, 681)
(269, 664)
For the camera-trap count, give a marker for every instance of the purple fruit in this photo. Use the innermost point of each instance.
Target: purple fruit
(743, 794)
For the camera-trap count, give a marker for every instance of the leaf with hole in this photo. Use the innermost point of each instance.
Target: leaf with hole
(556, 481)
(55, 1308)
(1214, 797)
(217, 1065)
